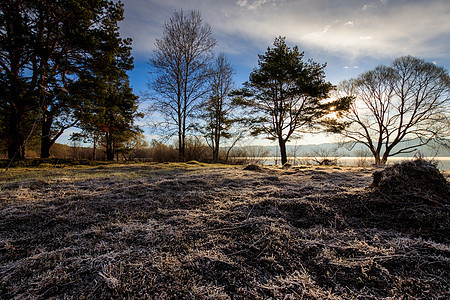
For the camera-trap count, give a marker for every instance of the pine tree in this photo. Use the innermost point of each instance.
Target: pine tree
(286, 96)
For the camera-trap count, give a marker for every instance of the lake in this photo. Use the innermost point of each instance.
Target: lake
(443, 162)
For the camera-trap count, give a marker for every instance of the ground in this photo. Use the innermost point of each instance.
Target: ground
(196, 231)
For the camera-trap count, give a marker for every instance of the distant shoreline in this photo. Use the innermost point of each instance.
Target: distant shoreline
(443, 162)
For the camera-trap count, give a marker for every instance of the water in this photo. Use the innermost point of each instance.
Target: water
(443, 162)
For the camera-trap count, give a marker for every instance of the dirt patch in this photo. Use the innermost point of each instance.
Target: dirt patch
(212, 233)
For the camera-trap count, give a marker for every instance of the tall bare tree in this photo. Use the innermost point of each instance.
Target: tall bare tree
(217, 109)
(399, 108)
(180, 70)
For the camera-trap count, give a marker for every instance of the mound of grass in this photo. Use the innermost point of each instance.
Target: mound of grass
(253, 167)
(412, 176)
(412, 196)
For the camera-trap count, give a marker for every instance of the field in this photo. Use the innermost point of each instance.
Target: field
(196, 231)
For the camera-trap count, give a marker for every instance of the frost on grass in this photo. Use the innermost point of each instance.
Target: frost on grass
(218, 233)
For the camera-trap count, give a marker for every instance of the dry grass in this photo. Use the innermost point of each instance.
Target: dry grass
(200, 231)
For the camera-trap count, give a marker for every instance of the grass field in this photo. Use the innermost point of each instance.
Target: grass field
(197, 231)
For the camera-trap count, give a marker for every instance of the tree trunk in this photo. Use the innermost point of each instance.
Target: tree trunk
(46, 141)
(216, 150)
(180, 146)
(94, 152)
(109, 147)
(216, 155)
(377, 157)
(283, 154)
(183, 140)
(16, 147)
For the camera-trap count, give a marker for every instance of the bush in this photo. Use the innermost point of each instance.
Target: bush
(160, 152)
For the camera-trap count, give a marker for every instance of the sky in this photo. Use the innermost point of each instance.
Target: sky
(351, 36)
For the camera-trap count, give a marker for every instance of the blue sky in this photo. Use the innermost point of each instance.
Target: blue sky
(351, 36)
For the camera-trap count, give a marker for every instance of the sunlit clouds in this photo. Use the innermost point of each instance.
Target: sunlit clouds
(351, 36)
(356, 28)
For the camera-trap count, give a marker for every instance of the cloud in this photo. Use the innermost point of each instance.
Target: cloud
(352, 28)
(256, 4)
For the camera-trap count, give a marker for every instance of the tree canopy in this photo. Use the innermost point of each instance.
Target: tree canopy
(180, 70)
(287, 96)
(398, 108)
(46, 46)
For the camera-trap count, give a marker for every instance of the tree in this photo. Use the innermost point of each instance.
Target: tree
(107, 107)
(91, 136)
(43, 46)
(68, 40)
(17, 92)
(110, 115)
(180, 71)
(286, 94)
(398, 108)
(217, 109)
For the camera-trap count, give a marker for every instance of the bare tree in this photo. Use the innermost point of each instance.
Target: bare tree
(399, 108)
(218, 108)
(325, 157)
(180, 70)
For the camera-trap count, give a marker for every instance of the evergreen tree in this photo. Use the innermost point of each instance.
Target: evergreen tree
(44, 45)
(17, 91)
(286, 96)
(107, 105)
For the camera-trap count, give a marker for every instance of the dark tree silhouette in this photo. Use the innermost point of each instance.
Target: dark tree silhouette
(43, 47)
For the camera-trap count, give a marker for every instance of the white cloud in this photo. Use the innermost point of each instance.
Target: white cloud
(256, 4)
(367, 7)
(386, 29)
(252, 5)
